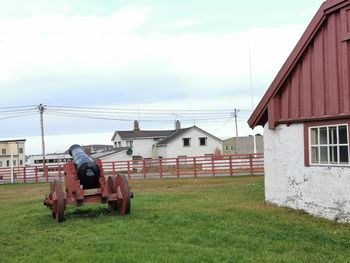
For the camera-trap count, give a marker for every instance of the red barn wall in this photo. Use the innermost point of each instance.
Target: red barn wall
(319, 85)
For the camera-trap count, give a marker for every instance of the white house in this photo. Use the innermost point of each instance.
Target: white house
(191, 141)
(114, 154)
(52, 158)
(12, 153)
(306, 117)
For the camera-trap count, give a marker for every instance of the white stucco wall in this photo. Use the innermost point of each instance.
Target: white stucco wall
(321, 191)
(176, 148)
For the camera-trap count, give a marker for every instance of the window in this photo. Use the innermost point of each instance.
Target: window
(186, 142)
(119, 144)
(329, 145)
(3, 151)
(0, 163)
(21, 162)
(8, 163)
(226, 147)
(14, 163)
(203, 141)
(231, 148)
(129, 144)
(20, 150)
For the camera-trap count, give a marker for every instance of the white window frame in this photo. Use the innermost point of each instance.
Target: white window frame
(205, 141)
(183, 142)
(328, 145)
(130, 144)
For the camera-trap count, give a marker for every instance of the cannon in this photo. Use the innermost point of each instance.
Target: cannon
(85, 183)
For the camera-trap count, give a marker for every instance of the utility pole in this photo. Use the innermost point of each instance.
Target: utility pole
(252, 93)
(41, 109)
(235, 113)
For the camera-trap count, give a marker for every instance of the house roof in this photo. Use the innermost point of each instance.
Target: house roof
(179, 133)
(260, 115)
(142, 134)
(109, 152)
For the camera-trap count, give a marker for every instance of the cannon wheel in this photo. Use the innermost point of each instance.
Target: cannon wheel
(112, 188)
(123, 186)
(58, 207)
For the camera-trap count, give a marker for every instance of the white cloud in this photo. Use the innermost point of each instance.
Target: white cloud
(38, 45)
(183, 23)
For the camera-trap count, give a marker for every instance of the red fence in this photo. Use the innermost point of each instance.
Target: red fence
(204, 166)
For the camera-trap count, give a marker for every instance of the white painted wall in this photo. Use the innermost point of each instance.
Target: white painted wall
(321, 191)
(176, 148)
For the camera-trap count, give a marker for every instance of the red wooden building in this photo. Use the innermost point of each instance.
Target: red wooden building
(307, 112)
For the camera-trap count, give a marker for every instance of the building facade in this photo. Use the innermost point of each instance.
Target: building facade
(147, 144)
(306, 117)
(243, 145)
(12, 153)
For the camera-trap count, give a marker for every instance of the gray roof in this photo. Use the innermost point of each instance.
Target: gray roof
(173, 136)
(143, 134)
(108, 152)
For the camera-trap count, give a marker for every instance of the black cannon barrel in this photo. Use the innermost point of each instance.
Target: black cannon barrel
(87, 170)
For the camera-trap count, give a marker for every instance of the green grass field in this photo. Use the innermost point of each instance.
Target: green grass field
(172, 220)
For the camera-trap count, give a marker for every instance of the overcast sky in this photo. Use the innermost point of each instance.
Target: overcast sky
(147, 54)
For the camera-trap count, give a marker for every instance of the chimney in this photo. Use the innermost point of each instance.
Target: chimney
(136, 126)
(177, 125)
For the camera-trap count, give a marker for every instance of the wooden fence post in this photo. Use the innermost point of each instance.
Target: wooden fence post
(128, 165)
(36, 173)
(144, 169)
(251, 164)
(46, 173)
(161, 167)
(177, 168)
(24, 174)
(113, 168)
(59, 171)
(194, 167)
(231, 171)
(212, 165)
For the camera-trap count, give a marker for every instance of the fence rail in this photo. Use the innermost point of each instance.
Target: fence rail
(202, 166)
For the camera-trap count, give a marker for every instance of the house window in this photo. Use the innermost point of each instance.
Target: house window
(231, 148)
(3, 151)
(186, 142)
(129, 144)
(8, 163)
(120, 144)
(329, 145)
(0, 163)
(21, 162)
(20, 150)
(203, 141)
(226, 147)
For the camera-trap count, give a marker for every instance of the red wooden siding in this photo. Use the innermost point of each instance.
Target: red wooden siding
(319, 84)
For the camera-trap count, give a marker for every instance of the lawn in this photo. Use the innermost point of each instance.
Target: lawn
(172, 220)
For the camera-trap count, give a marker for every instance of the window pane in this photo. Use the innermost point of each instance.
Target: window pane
(333, 154)
(323, 136)
(333, 135)
(314, 155)
(343, 134)
(344, 154)
(324, 154)
(314, 136)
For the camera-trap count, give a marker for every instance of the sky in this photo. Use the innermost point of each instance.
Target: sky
(137, 58)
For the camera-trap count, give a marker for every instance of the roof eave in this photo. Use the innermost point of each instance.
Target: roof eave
(256, 117)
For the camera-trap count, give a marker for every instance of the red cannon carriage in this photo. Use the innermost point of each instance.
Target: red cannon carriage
(85, 183)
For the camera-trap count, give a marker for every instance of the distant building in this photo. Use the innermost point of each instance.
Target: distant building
(52, 158)
(114, 154)
(145, 144)
(243, 145)
(12, 153)
(95, 148)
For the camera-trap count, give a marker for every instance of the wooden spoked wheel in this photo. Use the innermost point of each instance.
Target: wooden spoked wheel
(122, 186)
(111, 184)
(59, 203)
